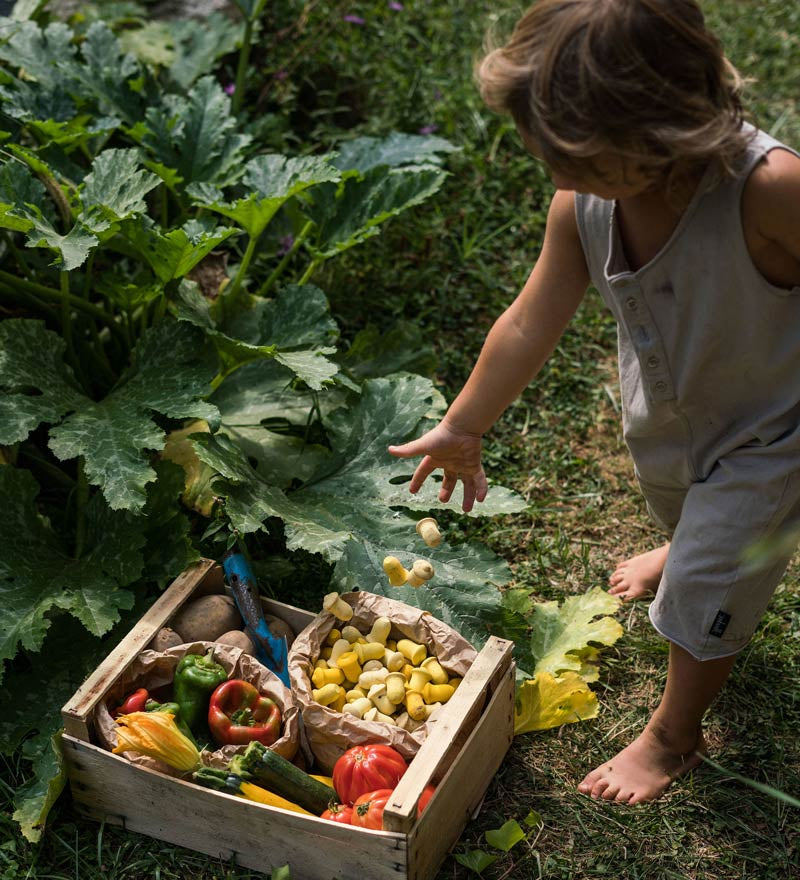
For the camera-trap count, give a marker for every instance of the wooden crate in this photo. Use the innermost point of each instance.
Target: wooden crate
(461, 754)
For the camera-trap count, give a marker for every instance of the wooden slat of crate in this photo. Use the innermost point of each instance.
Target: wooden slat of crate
(460, 792)
(453, 727)
(108, 787)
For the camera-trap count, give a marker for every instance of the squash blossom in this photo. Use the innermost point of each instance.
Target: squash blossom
(156, 735)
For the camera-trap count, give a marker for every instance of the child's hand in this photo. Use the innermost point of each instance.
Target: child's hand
(457, 453)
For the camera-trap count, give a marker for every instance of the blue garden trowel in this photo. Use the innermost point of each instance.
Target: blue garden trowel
(271, 650)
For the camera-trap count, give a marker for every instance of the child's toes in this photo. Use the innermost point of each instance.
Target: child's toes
(623, 796)
(599, 787)
(611, 792)
(588, 781)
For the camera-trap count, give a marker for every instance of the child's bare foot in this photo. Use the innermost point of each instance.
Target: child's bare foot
(639, 577)
(643, 770)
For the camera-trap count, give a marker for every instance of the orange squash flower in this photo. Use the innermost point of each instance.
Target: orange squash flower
(156, 735)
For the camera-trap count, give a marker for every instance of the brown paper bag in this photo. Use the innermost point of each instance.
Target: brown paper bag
(331, 733)
(154, 669)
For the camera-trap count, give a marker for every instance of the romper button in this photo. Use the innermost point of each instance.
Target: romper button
(631, 304)
(660, 386)
(653, 362)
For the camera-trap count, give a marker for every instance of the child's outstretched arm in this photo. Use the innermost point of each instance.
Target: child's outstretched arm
(516, 348)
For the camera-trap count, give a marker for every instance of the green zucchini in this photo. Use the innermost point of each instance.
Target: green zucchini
(276, 774)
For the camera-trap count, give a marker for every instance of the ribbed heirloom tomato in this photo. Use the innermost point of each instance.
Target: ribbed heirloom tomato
(368, 809)
(366, 768)
(342, 813)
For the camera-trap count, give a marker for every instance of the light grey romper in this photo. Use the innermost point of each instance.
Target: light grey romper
(709, 361)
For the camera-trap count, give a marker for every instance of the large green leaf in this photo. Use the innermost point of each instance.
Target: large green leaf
(463, 593)
(169, 549)
(398, 149)
(279, 459)
(270, 180)
(197, 135)
(173, 254)
(152, 43)
(198, 44)
(35, 384)
(72, 247)
(114, 189)
(24, 208)
(348, 496)
(34, 799)
(35, 102)
(42, 54)
(379, 353)
(39, 574)
(292, 329)
(351, 211)
(113, 78)
(171, 372)
(263, 391)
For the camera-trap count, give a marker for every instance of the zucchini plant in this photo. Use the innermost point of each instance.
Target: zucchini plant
(165, 356)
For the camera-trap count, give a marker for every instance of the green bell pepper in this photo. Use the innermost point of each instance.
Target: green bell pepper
(196, 677)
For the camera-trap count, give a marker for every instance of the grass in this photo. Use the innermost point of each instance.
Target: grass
(452, 267)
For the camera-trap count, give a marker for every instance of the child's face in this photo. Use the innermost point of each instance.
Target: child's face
(607, 175)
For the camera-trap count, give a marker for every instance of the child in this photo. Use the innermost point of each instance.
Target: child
(687, 221)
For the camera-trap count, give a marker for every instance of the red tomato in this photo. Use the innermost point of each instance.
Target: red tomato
(426, 795)
(338, 813)
(367, 768)
(368, 809)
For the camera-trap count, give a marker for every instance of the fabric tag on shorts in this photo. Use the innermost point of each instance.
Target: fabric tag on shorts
(720, 624)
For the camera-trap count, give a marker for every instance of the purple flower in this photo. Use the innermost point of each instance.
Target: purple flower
(281, 74)
(354, 19)
(437, 95)
(428, 129)
(286, 243)
(393, 4)
(230, 88)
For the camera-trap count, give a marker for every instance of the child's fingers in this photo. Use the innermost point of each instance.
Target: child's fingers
(424, 469)
(449, 482)
(475, 489)
(410, 449)
(481, 486)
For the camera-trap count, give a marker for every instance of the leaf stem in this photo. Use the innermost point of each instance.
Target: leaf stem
(50, 293)
(81, 498)
(9, 237)
(278, 270)
(232, 293)
(26, 297)
(241, 68)
(66, 316)
(313, 266)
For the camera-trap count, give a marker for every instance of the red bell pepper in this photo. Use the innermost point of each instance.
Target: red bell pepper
(239, 714)
(134, 702)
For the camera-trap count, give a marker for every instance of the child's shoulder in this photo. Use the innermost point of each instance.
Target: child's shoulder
(771, 216)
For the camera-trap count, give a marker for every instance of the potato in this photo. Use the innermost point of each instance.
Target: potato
(279, 627)
(206, 619)
(238, 639)
(165, 638)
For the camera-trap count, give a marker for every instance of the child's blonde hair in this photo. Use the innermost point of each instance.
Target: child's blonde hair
(643, 78)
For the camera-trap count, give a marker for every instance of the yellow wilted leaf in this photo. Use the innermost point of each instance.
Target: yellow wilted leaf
(544, 702)
(198, 476)
(563, 635)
